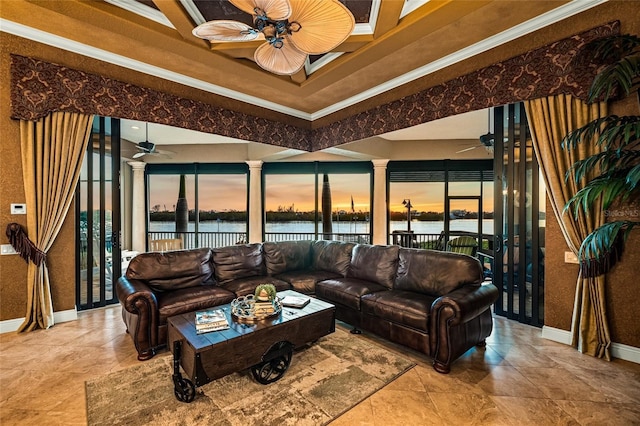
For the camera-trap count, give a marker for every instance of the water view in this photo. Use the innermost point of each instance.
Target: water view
(361, 227)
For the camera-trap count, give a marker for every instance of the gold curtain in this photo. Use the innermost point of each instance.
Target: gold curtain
(550, 120)
(52, 153)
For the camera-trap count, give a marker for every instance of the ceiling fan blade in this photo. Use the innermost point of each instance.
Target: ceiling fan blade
(225, 31)
(164, 152)
(324, 25)
(287, 60)
(276, 10)
(139, 154)
(467, 149)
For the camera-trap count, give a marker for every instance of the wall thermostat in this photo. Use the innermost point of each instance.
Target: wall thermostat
(18, 209)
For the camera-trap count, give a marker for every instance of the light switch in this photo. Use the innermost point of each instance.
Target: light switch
(569, 257)
(18, 208)
(7, 249)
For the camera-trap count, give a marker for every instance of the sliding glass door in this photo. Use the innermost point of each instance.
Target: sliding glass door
(97, 210)
(520, 220)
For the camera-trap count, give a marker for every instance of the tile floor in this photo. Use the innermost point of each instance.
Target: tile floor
(518, 379)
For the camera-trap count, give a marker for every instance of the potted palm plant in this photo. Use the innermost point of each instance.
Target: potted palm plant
(617, 176)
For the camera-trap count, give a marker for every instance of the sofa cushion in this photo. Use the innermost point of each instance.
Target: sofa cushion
(244, 286)
(374, 263)
(346, 291)
(400, 307)
(239, 261)
(305, 281)
(435, 272)
(333, 256)
(172, 270)
(286, 256)
(191, 299)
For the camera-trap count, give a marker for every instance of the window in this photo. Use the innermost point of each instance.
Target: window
(329, 200)
(216, 198)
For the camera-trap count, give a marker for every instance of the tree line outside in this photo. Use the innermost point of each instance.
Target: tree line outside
(289, 214)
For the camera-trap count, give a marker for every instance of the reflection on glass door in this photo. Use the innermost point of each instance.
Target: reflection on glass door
(97, 204)
(520, 219)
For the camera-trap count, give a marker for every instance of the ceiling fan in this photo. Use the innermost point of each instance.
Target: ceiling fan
(292, 29)
(486, 140)
(147, 147)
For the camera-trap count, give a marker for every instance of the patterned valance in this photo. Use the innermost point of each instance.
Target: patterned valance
(39, 87)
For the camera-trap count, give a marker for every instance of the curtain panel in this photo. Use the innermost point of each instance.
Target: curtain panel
(550, 120)
(52, 148)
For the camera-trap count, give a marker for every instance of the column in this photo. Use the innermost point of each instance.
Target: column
(138, 213)
(380, 231)
(255, 201)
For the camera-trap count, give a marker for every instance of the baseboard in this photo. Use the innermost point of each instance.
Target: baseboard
(618, 350)
(58, 317)
(556, 334)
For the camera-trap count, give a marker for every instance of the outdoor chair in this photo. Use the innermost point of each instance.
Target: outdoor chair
(464, 245)
(166, 244)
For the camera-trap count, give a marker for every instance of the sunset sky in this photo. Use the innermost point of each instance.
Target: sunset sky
(229, 192)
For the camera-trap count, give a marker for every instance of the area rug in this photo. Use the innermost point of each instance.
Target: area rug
(324, 380)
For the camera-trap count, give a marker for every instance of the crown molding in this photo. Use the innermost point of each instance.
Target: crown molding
(143, 10)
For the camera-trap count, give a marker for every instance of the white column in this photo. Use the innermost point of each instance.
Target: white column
(380, 201)
(255, 201)
(138, 213)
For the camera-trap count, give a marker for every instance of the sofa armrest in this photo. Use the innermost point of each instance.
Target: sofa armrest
(135, 295)
(464, 304)
(140, 314)
(460, 320)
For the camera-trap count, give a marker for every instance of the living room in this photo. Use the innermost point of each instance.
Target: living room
(560, 277)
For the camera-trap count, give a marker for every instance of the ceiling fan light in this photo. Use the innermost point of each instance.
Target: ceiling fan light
(269, 32)
(325, 24)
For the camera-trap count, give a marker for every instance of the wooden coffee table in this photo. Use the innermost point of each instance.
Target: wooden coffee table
(266, 346)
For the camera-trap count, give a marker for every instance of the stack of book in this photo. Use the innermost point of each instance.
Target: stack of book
(211, 320)
(263, 308)
(295, 301)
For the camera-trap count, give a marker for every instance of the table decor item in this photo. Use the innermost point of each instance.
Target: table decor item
(247, 309)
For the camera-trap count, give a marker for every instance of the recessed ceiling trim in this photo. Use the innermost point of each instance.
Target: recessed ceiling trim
(368, 28)
(193, 11)
(541, 21)
(142, 10)
(112, 58)
(551, 17)
(310, 68)
(410, 6)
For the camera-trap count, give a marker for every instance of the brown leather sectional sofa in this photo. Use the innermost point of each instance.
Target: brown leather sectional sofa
(430, 301)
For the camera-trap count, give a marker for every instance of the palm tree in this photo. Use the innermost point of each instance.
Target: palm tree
(182, 208)
(618, 164)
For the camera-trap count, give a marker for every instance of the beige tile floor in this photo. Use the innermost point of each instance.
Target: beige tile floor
(518, 379)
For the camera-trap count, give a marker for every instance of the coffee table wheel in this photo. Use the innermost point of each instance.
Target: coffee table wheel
(275, 363)
(184, 389)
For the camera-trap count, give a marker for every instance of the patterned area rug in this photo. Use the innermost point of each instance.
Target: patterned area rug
(324, 380)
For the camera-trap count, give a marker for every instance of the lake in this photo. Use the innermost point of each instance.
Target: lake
(418, 227)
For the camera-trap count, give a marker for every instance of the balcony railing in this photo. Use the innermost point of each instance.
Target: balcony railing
(222, 239)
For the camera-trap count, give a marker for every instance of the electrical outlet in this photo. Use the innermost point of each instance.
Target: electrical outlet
(7, 249)
(569, 257)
